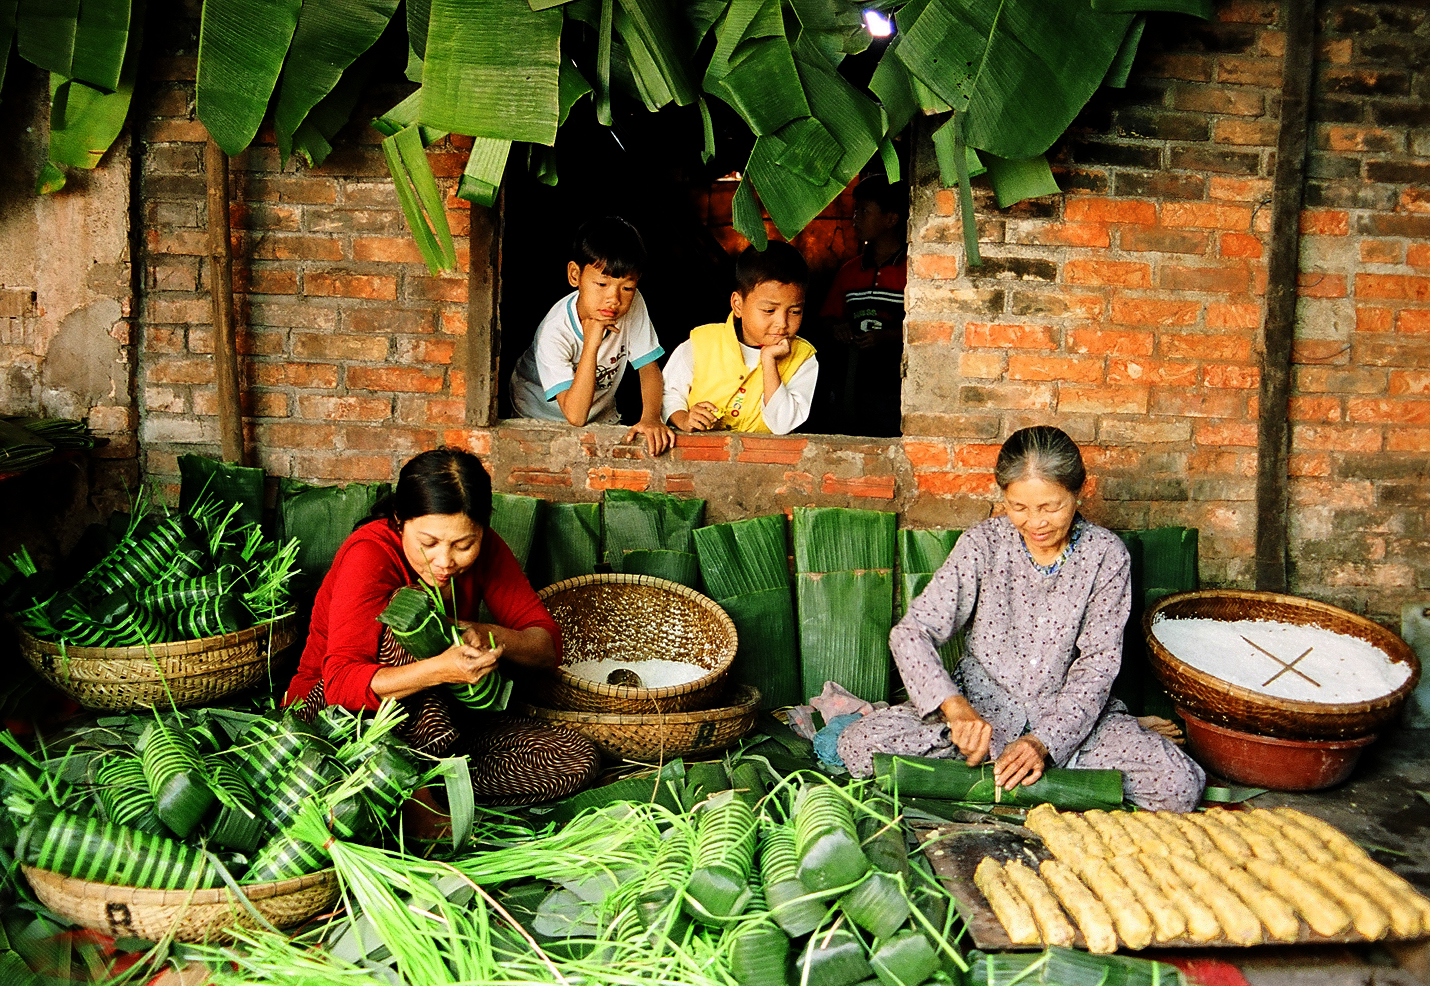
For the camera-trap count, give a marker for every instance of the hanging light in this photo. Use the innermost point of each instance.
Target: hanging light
(877, 24)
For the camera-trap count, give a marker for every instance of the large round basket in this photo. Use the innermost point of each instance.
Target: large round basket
(637, 618)
(188, 672)
(655, 738)
(1216, 701)
(191, 915)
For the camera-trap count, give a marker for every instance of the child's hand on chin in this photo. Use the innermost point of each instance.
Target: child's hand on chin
(776, 350)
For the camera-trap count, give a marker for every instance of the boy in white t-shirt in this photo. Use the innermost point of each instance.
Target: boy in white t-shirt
(583, 345)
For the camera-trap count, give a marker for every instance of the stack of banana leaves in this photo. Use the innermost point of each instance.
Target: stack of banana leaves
(193, 800)
(683, 876)
(159, 578)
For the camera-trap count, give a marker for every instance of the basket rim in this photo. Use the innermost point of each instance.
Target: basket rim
(1386, 641)
(748, 695)
(1328, 745)
(156, 897)
(628, 692)
(173, 648)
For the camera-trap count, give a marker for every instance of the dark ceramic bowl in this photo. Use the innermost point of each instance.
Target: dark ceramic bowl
(1270, 762)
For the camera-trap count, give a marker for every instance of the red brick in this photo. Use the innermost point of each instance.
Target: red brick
(923, 333)
(1102, 400)
(437, 352)
(1407, 440)
(534, 476)
(926, 455)
(346, 285)
(870, 487)
(403, 441)
(1158, 372)
(1200, 402)
(1335, 438)
(1188, 68)
(783, 451)
(935, 266)
(280, 246)
(288, 434)
(317, 376)
(448, 288)
(945, 202)
(1320, 284)
(1231, 376)
(1165, 240)
(1323, 410)
(1119, 273)
(1102, 210)
(345, 408)
(1393, 287)
(1418, 254)
(1223, 433)
(1336, 50)
(607, 478)
(388, 321)
(387, 249)
(1065, 234)
(1232, 349)
(1205, 215)
(1262, 72)
(183, 242)
(981, 365)
(1001, 336)
(1411, 321)
(179, 371)
(175, 131)
(1220, 280)
(703, 448)
(1359, 138)
(1398, 412)
(345, 466)
(956, 483)
(1058, 368)
(1104, 343)
(1335, 380)
(1146, 311)
(1373, 319)
(1325, 222)
(400, 379)
(977, 457)
(1240, 245)
(265, 280)
(1222, 101)
(1312, 492)
(1313, 464)
(311, 345)
(1244, 133)
(1221, 315)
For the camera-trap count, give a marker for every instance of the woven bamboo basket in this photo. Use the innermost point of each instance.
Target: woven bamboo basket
(636, 618)
(193, 672)
(654, 738)
(191, 915)
(1216, 701)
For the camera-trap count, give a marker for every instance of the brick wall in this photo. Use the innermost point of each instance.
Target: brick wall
(1127, 311)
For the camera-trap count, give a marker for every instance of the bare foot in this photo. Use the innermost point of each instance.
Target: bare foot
(1162, 727)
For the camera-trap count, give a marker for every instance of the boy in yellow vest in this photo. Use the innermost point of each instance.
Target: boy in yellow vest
(750, 372)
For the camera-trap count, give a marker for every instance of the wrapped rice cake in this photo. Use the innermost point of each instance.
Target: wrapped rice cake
(1053, 925)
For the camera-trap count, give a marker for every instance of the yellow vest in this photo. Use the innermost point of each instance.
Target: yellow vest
(722, 378)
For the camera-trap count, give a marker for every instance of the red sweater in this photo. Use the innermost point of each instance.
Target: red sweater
(368, 568)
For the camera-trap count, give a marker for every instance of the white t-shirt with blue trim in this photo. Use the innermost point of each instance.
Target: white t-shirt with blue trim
(548, 366)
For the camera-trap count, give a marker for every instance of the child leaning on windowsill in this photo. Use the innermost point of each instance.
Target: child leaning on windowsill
(573, 366)
(750, 372)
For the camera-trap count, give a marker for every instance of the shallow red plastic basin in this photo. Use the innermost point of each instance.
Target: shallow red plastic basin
(1271, 762)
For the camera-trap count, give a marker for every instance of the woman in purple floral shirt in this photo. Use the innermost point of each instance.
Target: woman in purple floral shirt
(1045, 596)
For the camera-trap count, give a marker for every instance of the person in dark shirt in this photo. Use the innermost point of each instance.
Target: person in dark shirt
(865, 311)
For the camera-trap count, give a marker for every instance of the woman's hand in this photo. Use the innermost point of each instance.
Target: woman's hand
(529, 648)
(1021, 762)
(967, 730)
(463, 664)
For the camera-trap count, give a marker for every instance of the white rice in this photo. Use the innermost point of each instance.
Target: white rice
(654, 673)
(1347, 669)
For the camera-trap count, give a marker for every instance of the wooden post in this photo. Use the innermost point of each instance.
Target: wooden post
(225, 356)
(1273, 438)
(483, 360)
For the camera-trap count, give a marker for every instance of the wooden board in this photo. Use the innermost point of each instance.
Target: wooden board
(955, 849)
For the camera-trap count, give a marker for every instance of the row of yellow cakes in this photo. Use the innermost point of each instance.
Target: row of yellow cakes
(1135, 878)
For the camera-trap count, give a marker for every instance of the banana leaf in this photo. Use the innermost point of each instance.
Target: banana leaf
(421, 200)
(835, 30)
(749, 221)
(101, 40)
(321, 518)
(62, 433)
(746, 572)
(7, 34)
(329, 37)
(1014, 181)
(920, 555)
(45, 33)
(655, 24)
(204, 479)
(493, 73)
(516, 520)
(1121, 68)
(1067, 967)
(840, 539)
(313, 139)
(419, 16)
(21, 449)
(648, 521)
(1164, 560)
(482, 176)
(242, 44)
(673, 566)
(404, 115)
(954, 780)
(570, 543)
(753, 67)
(844, 624)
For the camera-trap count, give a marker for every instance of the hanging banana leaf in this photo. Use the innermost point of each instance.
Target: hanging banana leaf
(482, 176)
(313, 140)
(832, 27)
(943, 147)
(45, 33)
(753, 67)
(515, 519)
(330, 36)
(1014, 181)
(749, 221)
(84, 121)
(494, 74)
(7, 34)
(1121, 67)
(655, 24)
(101, 39)
(648, 522)
(419, 15)
(242, 44)
(572, 85)
(920, 555)
(570, 544)
(404, 115)
(421, 199)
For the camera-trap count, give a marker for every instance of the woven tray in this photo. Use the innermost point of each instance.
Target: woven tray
(196, 672)
(656, 738)
(1214, 700)
(635, 618)
(192, 916)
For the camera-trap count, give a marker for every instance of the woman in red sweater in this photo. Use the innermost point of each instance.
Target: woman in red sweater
(433, 530)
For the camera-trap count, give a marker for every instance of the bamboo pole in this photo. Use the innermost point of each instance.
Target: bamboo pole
(1278, 331)
(225, 346)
